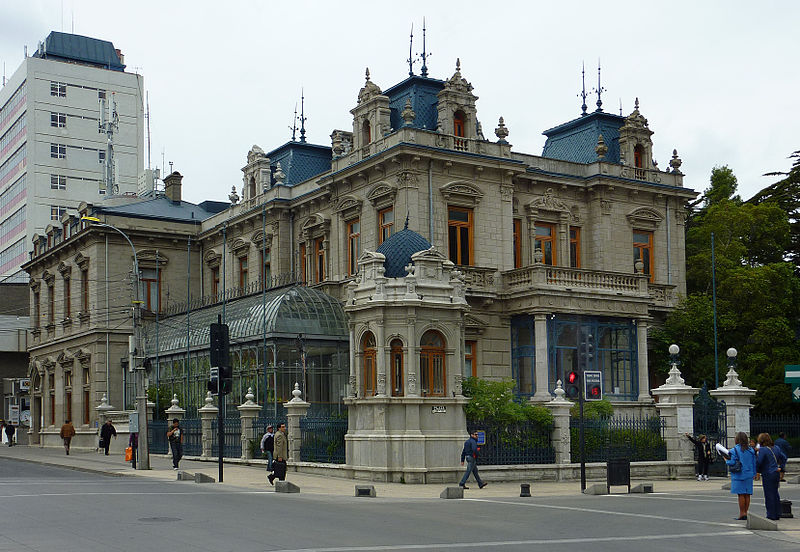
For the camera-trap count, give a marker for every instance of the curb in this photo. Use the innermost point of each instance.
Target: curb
(74, 468)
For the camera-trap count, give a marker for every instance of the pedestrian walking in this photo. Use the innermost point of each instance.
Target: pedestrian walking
(268, 446)
(786, 449)
(770, 463)
(470, 454)
(106, 432)
(704, 455)
(742, 465)
(3, 437)
(175, 438)
(133, 442)
(10, 430)
(67, 433)
(281, 452)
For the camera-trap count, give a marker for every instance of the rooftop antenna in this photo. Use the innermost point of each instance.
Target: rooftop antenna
(620, 107)
(410, 55)
(424, 52)
(147, 116)
(294, 124)
(302, 117)
(599, 88)
(583, 94)
(109, 123)
(170, 167)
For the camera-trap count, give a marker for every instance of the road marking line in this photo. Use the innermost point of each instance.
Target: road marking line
(596, 511)
(220, 491)
(540, 542)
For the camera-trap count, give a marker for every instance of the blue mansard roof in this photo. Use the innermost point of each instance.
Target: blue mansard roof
(83, 49)
(423, 93)
(575, 140)
(300, 161)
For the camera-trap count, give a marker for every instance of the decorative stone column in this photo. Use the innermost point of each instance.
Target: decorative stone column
(102, 410)
(644, 379)
(248, 411)
(676, 406)
(151, 411)
(174, 411)
(560, 438)
(295, 409)
(737, 402)
(541, 372)
(207, 416)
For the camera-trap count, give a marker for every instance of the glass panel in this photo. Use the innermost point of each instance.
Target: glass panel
(452, 234)
(544, 230)
(464, 239)
(458, 215)
(438, 374)
(641, 237)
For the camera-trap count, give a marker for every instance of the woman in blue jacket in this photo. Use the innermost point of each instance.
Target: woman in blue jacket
(770, 464)
(742, 481)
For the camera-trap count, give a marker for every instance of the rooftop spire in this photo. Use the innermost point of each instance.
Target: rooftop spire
(599, 90)
(302, 117)
(410, 53)
(294, 124)
(583, 94)
(424, 52)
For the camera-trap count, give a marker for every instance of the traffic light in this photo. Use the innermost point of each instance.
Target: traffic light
(573, 385)
(225, 380)
(219, 345)
(587, 352)
(213, 381)
(594, 392)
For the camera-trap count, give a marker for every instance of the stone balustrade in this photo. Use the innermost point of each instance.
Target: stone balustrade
(522, 279)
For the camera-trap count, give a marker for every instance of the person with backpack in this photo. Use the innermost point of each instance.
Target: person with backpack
(268, 446)
(470, 454)
(742, 465)
(770, 463)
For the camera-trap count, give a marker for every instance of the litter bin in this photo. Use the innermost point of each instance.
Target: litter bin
(618, 472)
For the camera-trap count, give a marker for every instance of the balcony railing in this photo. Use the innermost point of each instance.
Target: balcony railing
(479, 278)
(663, 295)
(541, 275)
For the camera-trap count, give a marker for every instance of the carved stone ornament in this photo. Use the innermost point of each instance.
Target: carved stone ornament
(605, 206)
(279, 175)
(369, 91)
(382, 194)
(457, 384)
(412, 383)
(381, 384)
(353, 386)
(82, 261)
(461, 193)
(349, 205)
(732, 379)
(457, 82)
(239, 247)
(549, 202)
(255, 154)
(408, 114)
(601, 149)
(407, 179)
(645, 218)
(233, 196)
(501, 131)
(212, 258)
(675, 162)
(64, 269)
(675, 379)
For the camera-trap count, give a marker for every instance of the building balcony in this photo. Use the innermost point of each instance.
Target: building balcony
(574, 279)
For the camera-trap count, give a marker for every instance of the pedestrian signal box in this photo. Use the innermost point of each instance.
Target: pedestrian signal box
(593, 382)
(572, 387)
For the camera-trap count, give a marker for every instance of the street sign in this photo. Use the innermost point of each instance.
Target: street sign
(133, 422)
(481, 437)
(796, 392)
(593, 385)
(792, 374)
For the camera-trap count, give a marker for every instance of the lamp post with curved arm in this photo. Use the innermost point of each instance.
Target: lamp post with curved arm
(143, 449)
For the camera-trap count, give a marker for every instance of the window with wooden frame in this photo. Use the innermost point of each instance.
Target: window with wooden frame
(353, 245)
(86, 406)
(643, 251)
(303, 263)
(52, 406)
(369, 373)
(545, 240)
(459, 124)
(432, 364)
(243, 270)
(366, 133)
(266, 268)
(319, 260)
(459, 234)
(85, 290)
(68, 405)
(396, 360)
(37, 310)
(638, 156)
(151, 292)
(471, 358)
(517, 243)
(215, 280)
(67, 298)
(51, 304)
(574, 247)
(385, 224)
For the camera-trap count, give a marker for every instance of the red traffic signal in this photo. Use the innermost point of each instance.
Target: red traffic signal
(572, 378)
(572, 388)
(595, 392)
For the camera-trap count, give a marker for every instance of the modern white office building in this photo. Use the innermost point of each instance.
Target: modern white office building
(54, 144)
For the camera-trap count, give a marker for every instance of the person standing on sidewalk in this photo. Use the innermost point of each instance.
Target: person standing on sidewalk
(268, 446)
(770, 463)
(106, 432)
(67, 433)
(281, 452)
(175, 437)
(743, 460)
(704, 455)
(470, 454)
(785, 447)
(10, 430)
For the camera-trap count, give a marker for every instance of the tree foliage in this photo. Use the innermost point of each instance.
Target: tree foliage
(494, 401)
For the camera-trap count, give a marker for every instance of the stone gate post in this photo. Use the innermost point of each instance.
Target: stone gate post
(560, 438)
(676, 407)
(248, 411)
(295, 409)
(207, 416)
(737, 402)
(174, 411)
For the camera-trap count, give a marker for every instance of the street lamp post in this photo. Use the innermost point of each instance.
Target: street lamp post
(141, 393)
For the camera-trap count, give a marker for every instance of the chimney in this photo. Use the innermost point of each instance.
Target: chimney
(172, 187)
(121, 57)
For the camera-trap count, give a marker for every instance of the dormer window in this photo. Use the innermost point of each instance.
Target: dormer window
(458, 124)
(638, 156)
(366, 133)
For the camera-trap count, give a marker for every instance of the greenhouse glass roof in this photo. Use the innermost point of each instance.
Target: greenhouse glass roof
(289, 311)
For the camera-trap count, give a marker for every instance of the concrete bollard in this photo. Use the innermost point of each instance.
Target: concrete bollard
(596, 489)
(452, 492)
(185, 476)
(286, 487)
(760, 523)
(642, 488)
(366, 490)
(524, 489)
(203, 478)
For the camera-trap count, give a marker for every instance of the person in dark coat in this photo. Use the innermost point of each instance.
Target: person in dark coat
(175, 438)
(770, 462)
(106, 432)
(470, 454)
(281, 452)
(742, 481)
(268, 446)
(786, 449)
(10, 430)
(704, 455)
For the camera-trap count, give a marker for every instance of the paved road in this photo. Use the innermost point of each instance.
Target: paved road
(47, 508)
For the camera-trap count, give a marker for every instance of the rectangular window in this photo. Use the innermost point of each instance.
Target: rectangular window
(243, 272)
(643, 251)
(303, 278)
(58, 182)
(86, 396)
(52, 407)
(58, 151)
(353, 246)
(471, 358)
(459, 226)
(517, 243)
(57, 211)
(215, 280)
(266, 270)
(68, 405)
(151, 293)
(574, 247)
(546, 242)
(101, 158)
(58, 89)
(319, 258)
(67, 298)
(51, 305)
(85, 291)
(37, 310)
(385, 224)
(58, 120)
(101, 94)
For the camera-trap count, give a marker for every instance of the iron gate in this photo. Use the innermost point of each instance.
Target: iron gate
(710, 419)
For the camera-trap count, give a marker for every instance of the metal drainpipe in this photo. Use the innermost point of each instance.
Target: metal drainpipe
(669, 246)
(108, 324)
(291, 243)
(430, 200)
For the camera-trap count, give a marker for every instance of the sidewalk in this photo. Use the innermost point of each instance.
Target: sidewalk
(254, 478)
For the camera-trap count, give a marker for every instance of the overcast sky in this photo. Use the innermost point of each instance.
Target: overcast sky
(716, 80)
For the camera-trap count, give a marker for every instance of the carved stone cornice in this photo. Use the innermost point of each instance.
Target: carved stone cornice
(461, 193)
(645, 218)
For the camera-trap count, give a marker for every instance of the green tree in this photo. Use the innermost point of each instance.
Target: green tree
(494, 401)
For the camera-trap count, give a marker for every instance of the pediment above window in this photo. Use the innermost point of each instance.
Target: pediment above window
(645, 218)
(461, 193)
(150, 258)
(64, 269)
(82, 261)
(48, 277)
(550, 203)
(212, 258)
(349, 207)
(258, 238)
(382, 195)
(316, 224)
(239, 247)
(64, 357)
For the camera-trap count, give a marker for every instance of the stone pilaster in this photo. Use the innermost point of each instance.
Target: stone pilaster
(248, 411)
(644, 379)
(737, 402)
(560, 437)
(542, 394)
(676, 406)
(208, 414)
(295, 410)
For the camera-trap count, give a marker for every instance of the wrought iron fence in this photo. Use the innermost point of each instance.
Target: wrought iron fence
(232, 438)
(323, 440)
(776, 424)
(157, 437)
(635, 439)
(192, 437)
(522, 443)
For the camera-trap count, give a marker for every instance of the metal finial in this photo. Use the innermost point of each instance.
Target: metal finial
(424, 52)
(367, 76)
(620, 107)
(294, 124)
(410, 54)
(599, 90)
(636, 104)
(458, 65)
(302, 117)
(583, 94)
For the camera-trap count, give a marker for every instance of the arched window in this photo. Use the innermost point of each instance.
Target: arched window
(458, 124)
(638, 156)
(366, 133)
(397, 367)
(369, 376)
(431, 364)
(252, 188)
